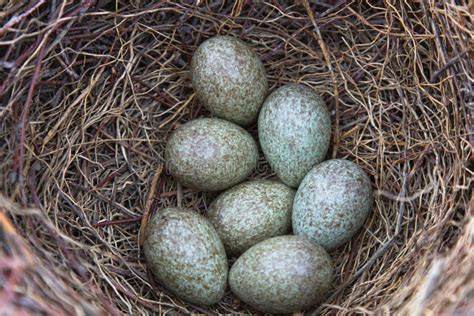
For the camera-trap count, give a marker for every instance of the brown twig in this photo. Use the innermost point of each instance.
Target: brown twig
(445, 67)
(317, 35)
(117, 222)
(149, 203)
(24, 117)
(18, 18)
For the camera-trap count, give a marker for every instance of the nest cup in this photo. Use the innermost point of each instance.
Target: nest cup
(92, 90)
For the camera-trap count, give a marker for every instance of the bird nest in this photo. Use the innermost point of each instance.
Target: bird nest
(91, 90)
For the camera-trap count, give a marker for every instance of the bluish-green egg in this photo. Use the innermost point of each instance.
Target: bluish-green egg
(282, 274)
(251, 212)
(210, 154)
(186, 255)
(332, 203)
(229, 79)
(294, 129)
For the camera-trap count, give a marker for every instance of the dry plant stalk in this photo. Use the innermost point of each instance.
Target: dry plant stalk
(91, 90)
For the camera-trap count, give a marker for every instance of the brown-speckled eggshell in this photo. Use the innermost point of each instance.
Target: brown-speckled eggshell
(229, 79)
(211, 154)
(251, 212)
(185, 254)
(282, 274)
(332, 203)
(294, 128)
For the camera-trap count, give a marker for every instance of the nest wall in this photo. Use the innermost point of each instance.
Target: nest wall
(91, 90)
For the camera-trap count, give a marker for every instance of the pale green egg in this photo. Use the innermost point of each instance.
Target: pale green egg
(282, 274)
(294, 129)
(251, 212)
(185, 254)
(211, 154)
(332, 203)
(229, 79)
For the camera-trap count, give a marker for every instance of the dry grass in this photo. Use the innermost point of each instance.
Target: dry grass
(91, 91)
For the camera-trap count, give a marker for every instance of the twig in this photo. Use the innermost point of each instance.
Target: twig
(173, 193)
(16, 63)
(42, 39)
(24, 116)
(149, 202)
(160, 96)
(117, 222)
(34, 80)
(179, 194)
(17, 18)
(446, 66)
(324, 49)
(332, 8)
(112, 175)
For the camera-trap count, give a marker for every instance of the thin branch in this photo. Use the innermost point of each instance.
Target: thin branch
(117, 222)
(149, 203)
(17, 18)
(446, 66)
(317, 35)
(24, 118)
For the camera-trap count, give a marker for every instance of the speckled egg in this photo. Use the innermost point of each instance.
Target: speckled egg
(251, 212)
(294, 129)
(229, 79)
(332, 203)
(282, 274)
(185, 254)
(210, 154)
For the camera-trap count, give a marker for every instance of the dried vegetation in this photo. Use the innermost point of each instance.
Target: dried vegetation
(91, 90)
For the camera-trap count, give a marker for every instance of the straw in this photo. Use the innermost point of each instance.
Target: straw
(91, 91)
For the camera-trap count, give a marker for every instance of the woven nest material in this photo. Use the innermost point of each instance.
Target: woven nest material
(91, 90)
